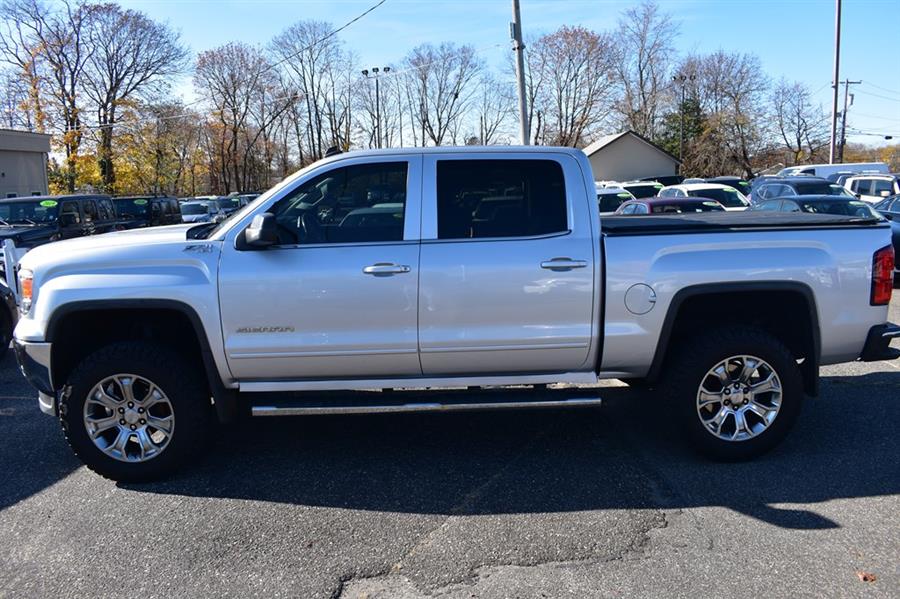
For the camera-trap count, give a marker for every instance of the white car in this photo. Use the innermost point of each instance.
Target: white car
(726, 195)
(610, 198)
(873, 188)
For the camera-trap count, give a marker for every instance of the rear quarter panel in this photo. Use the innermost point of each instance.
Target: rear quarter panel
(836, 265)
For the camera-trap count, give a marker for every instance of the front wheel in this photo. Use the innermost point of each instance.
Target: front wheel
(135, 411)
(737, 392)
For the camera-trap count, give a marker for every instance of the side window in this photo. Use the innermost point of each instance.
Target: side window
(69, 214)
(666, 193)
(629, 209)
(103, 210)
(90, 210)
(880, 185)
(789, 206)
(363, 203)
(856, 185)
(764, 191)
(500, 198)
(641, 209)
(768, 206)
(155, 209)
(786, 190)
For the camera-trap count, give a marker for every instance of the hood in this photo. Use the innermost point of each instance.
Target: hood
(106, 245)
(27, 235)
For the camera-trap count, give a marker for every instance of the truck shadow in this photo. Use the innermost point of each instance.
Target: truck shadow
(623, 456)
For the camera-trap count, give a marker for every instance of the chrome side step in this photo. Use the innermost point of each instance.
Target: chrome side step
(387, 407)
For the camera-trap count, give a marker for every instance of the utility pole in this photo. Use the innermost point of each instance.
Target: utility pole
(847, 84)
(515, 32)
(835, 80)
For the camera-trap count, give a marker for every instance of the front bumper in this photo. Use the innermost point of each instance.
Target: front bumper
(34, 362)
(878, 343)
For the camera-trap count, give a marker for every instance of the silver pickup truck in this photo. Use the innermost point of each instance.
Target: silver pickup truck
(437, 269)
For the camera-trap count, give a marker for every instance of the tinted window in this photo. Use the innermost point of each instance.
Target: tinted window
(90, 210)
(855, 208)
(44, 211)
(643, 190)
(880, 185)
(355, 204)
(104, 210)
(610, 202)
(819, 188)
(641, 209)
(69, 214)
(769, 205)
(500, 198)
(728, 197)
(683, 207)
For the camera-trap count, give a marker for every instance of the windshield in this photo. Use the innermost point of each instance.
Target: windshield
(29, 212)
(643, 190)
(228, 203)
(856, 208)
(822, 188)
(132, 208)
(610, 201)
(728, 197)
(199, 208)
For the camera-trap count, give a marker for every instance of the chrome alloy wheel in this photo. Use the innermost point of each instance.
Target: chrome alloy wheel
(739, 398)
(129, 418)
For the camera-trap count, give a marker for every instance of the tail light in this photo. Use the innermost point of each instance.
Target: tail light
(882, 276)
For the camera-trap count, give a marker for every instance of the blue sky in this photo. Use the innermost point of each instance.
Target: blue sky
(793, 38)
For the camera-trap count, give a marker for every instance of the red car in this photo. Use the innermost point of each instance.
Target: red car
(669, 206)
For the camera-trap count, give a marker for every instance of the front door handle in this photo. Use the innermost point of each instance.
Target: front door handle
(562, 264)
(385, 269)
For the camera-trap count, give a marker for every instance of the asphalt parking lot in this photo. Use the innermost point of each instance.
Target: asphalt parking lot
(594, 503)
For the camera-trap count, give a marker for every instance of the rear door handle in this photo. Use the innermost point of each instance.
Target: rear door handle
(561, 264)
(385, 269)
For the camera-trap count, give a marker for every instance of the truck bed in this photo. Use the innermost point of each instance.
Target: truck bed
(713, 222)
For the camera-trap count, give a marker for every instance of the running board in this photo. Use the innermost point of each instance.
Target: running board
(405, 407)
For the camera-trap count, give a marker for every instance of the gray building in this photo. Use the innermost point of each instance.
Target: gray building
(628, 156)
(23, 163)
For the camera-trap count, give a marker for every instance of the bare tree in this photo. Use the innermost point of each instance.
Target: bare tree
(493, 109)
(57, 40)
(131, 54)
(644, 45)
(440, 86)
(801, 126)
(571, 83)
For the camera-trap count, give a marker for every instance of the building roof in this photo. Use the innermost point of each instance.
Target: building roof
(608, 140)
(24, 141)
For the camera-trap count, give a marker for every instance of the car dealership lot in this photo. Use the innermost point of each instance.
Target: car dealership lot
(582, 503)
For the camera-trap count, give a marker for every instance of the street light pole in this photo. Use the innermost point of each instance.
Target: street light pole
(681, 79)
(835, 80)
(375, 71)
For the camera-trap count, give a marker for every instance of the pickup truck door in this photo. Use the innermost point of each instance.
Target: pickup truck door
(337, 297)
(507, 274)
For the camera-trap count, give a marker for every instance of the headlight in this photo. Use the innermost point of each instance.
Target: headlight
(26, 281)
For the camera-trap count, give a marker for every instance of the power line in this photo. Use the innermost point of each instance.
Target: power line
(884, 89)
(879, 96)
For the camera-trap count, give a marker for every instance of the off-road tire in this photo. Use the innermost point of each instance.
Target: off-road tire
(174, 374)
(695, 357)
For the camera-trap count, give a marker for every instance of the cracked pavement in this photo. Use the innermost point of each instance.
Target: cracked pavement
(587, 503)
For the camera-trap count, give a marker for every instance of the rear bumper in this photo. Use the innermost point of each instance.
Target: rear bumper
(878, 343)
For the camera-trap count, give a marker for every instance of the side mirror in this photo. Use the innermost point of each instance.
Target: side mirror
(262, 232)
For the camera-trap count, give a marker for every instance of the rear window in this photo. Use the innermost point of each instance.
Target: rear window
(610, 202)
(500, 198)
(132, 208)
(727, 197)
(194, 209)
(687, 207)
(643, 190)
(855, 208)
(823, 188)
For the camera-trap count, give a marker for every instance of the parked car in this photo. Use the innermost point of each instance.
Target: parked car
(135, 346)
(889, 207)
(839, 177)
(727, 196)
(742, 185)
(797, 185)
(669, 206)
(642, 189)
(8, 317)
(819, 204)
(147, 211)
(823, 170)
(230, 204)
(873, 188)
(200, 211)
(690, 180)
(665, 179)
(35, 220)
(610, 198)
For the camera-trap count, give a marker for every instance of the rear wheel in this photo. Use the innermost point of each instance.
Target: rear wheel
(135, 411)
(737, 392)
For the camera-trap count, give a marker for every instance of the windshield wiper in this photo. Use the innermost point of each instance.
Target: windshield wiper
(4, 223)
